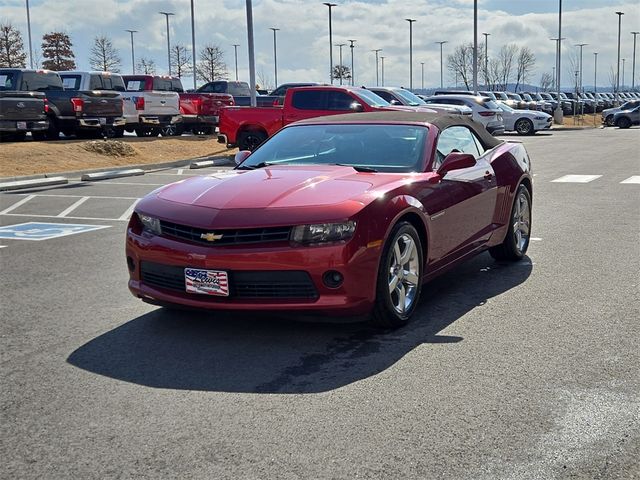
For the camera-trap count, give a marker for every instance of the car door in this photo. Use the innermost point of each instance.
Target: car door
(465, 223)
(306, 104)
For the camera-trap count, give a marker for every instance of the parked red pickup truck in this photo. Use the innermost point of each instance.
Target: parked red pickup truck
(200, 111)
(248, 127)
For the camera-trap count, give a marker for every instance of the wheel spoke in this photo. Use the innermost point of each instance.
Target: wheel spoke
(396, 253)
(401, 298)
(411, 278)
(393, 283)
(409, 247)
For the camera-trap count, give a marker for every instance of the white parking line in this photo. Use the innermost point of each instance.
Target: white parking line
(56, 216)
(106, 182)
(3, 246)
(127, 214)
(72, 207)
(17, 204)
(180, 170)
(576, 179)
(63, 196)
(634, 179)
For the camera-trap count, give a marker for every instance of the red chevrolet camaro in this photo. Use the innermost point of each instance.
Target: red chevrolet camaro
(342, 215)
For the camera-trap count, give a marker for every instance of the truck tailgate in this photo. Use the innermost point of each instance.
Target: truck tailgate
(21, 106)
(102, 104)
(161, 103)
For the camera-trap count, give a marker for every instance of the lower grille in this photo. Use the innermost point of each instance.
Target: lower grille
(279, 284)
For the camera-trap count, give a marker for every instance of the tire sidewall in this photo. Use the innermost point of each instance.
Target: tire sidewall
(382, 288)
(510, 234)
(528, 123)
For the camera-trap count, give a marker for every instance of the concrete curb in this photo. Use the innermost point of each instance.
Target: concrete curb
(221, 160)
(94, 177)
(202, 164)
(33, 183)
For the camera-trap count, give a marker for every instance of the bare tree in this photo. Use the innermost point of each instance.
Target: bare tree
(104, 56)
(546, 82)
(180, 60)
(56, 48)
(341, 72)
(12, 52)
(573, 66)
(264, 80)
(460, 63)
(211, 64)
(613, 78)
(525, 65)
(506, 59)
(146, 65)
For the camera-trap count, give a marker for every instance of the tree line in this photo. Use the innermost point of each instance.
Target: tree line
(57, 54)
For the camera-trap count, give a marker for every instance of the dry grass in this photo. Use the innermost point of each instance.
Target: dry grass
(28, 157)
(585, 120)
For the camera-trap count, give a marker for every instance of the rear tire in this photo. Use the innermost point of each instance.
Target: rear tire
(516, 241)
(53, 132)
(147, 132)
(251, 139)
(399, 280)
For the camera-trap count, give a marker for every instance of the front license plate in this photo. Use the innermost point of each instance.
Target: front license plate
(103, 121)
(206, 282)
(21, 125)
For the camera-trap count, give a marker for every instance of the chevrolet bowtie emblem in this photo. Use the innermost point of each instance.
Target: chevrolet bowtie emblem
(210, 237)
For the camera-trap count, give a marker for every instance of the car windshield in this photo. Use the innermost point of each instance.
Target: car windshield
(383, 148)
(410, 98)
(501, 96)
(505, 108)
(371, 99)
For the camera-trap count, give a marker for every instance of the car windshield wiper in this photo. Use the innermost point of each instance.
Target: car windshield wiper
(253, 167)
(358, 168)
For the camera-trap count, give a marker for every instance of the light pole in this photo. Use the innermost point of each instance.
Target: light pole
(633, 68)
(441, 76)
(330, 5)
(580, 65)
(340, 70)
(378, 50)
(554, 76)
(275, 57)
(382, 60)
(193, 46)
(475, 47)
(422, 65)
(595, 82)
(29, 32)
(235, 51)
(252, 57)
(133, 59)
(486, 59)
(353, 76)
(411, 21)
(623, 60)
(557, 115)
(167, 15)
(618, 74)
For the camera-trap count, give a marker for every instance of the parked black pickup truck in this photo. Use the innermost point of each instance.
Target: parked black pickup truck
(21, 112)
(69, 112)
(239, 91)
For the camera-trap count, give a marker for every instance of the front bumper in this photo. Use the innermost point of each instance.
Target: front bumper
(170, 257)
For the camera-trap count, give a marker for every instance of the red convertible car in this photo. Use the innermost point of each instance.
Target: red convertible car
(343, 215)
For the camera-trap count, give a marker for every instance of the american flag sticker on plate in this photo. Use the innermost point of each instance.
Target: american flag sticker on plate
(206, 282)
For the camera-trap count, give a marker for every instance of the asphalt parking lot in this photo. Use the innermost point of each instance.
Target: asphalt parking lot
(518, 371)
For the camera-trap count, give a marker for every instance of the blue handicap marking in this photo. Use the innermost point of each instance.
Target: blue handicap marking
(44, 231)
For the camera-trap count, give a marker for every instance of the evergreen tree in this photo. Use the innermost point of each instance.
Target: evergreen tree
(56, 49)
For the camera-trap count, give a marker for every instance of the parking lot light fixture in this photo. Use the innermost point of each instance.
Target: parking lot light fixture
(376, 52)
(595, 72)
(133, 58)
(557, 114)
(167, 15)
(275, 57)
(235, 48)
(330, 5)
(193, 47)
(441, 75)
(382, 62)
(618, 63)
(486, 59)
(251, 51)
(633, 63)
(623, 60)
(475, 47)
(411, 22)
(580, 65)
(29, 33)
(422, 75)
(353, 75)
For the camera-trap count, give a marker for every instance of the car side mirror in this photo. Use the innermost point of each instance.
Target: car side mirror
(356, 107)
(241, 156)
(394, 102)
(456, 161)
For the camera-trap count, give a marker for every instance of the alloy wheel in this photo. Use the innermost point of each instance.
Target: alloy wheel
(404, 273)
(521, 221)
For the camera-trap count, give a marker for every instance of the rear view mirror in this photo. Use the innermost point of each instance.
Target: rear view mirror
(456, 161)
(356, 107)
(241, 156)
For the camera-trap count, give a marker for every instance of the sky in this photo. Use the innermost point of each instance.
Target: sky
(303, 41)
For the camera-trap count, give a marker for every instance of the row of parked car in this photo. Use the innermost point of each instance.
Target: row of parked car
(103, 104)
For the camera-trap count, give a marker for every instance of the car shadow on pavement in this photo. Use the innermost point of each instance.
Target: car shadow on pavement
(275, 354)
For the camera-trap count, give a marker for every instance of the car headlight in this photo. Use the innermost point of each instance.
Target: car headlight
(150, 224)
(540, 118)
(323, 233)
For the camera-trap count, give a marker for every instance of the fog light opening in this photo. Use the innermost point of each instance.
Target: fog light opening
(332, 279)
(131, 264)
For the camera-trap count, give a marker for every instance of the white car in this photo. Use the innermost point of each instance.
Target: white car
(524, 122)
(484, 110)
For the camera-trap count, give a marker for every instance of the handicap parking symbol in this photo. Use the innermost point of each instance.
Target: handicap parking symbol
(45, 231)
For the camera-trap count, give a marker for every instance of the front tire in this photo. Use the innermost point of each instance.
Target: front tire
(623, 122)
(609, 121)
(399, 280)
(524, 126)
(516, 241)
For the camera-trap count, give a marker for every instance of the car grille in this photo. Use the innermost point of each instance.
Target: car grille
(283, 284)
(229, 237)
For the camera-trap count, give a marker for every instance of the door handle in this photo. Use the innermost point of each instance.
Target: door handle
(488, 175)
